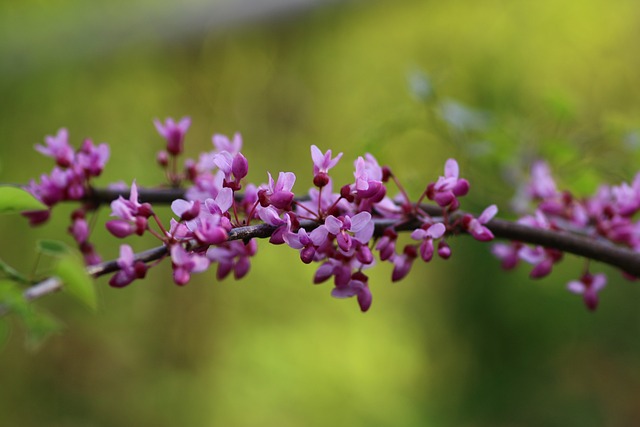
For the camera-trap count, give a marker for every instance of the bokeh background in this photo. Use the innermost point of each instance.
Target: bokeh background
(493, 83)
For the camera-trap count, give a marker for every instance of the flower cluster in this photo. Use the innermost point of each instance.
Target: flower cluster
(607, 215)
(69, 180)
(340, 230)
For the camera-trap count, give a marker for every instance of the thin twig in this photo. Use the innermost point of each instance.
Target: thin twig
(617, 256)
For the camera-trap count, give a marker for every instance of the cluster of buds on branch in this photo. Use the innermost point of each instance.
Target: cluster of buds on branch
(218, 216)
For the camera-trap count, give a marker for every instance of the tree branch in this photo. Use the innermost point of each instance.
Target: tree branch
(598, 250)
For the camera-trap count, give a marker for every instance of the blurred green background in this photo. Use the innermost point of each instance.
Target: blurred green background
(495, 84)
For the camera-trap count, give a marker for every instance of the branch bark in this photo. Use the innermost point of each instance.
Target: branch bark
(598, 250)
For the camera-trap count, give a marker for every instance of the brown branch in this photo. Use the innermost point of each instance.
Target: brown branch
(603, 251)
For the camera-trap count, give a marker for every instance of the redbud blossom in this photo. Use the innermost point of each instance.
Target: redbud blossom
(475, 226)
(58, 147)
(427, 233)
(184, 263)
(588, 286)
(130, 269)
(223, 143)
(174, 133)
(278, 193)
(321, 165)
(445, 190)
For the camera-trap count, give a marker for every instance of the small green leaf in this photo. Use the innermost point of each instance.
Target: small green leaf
(12, 273)
(15, 200)
(53, 248)
(77, 281)
(11, 298)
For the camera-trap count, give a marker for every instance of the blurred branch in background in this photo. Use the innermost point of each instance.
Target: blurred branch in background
(83, 31)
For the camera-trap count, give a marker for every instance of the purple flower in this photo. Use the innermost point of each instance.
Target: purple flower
(402, 263)
(387, 244)
(448, 187)
(346, 228)
(541, 185)
(127, 209)
(133, 215)
(507, 253)
(186, 210)
(222, 143)
(232, 256)
(588, 286)
(321, 165)
(58, 147)
(130, 269)
(212, 229)
(270, 216)
(184, 263)
(368, 177)
(174, 133)
(626, 198)
(79, 229)
(475, 226)
(427, 234)
(92, 159)
(278, 193)
(232, 165)
(357, 286)
(541, 258)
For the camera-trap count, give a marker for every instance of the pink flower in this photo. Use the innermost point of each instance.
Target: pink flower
(427, 234)
(387, 244)
(92, 159)
(278, 193)
(507, 253)
(186, 210)
(402, 263)
(133, 215)
(232, 256)
(223, 143)
(58, 147)
(184, 263)
(448, 187)
(174, 133)
(130, 269)
(541, 185)
(345, 228)
(357, 286)
(368, 177)
(476, 226)
(321, 165)
(588, 286)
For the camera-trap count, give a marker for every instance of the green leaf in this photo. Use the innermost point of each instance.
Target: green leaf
(12, 273)
(11, 297)
(77, 281)
(15, 200)
(53, 248)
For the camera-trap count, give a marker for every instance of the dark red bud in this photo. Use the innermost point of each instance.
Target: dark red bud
(145, 210)
(78, 214)
(359, 275)
(386, 174)
(321, 179)
(140, 269)
(141, 225)
(263, 198)
(345, 192)
(410, 251)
